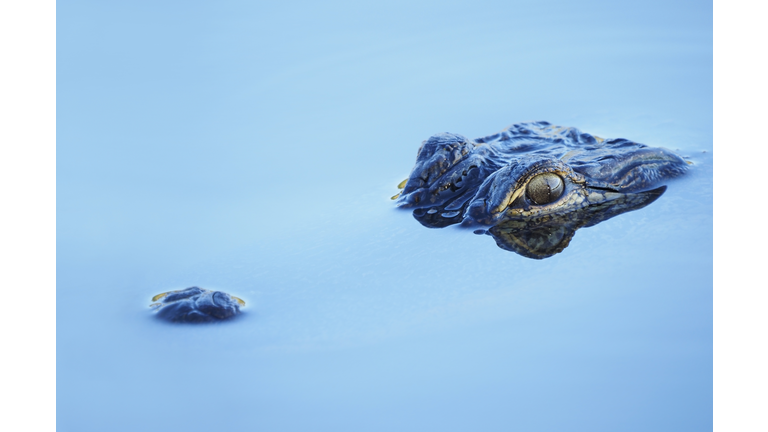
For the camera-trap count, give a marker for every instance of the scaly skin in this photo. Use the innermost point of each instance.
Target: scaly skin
(487, 181)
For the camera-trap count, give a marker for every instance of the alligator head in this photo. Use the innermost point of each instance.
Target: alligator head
(533, 174)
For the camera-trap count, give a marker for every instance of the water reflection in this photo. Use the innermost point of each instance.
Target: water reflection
(542, 237)
(532, 185)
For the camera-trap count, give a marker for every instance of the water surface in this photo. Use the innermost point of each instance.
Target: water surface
(254, 150)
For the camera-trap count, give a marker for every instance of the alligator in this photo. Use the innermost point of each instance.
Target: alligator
(532, 185)
(196, 305)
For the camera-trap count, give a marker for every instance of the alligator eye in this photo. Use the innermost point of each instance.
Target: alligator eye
(545, 188)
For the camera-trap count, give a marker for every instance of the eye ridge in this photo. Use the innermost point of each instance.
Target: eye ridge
(545, 188)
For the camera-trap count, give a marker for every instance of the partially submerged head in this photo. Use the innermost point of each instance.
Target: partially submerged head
(534, 183)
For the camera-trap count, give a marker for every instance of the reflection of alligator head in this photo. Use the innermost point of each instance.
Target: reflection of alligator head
(543, 236)
(534, 183)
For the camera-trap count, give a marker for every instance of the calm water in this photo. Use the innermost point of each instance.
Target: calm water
(254, 149)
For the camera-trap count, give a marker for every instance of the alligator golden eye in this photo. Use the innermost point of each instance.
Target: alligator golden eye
(545, 188)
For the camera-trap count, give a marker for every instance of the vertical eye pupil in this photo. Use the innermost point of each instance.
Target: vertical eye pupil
(545, 188)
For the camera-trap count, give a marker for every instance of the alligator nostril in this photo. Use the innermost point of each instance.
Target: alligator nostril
(220, 299)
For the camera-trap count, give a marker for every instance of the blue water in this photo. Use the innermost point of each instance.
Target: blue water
(253, 148)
